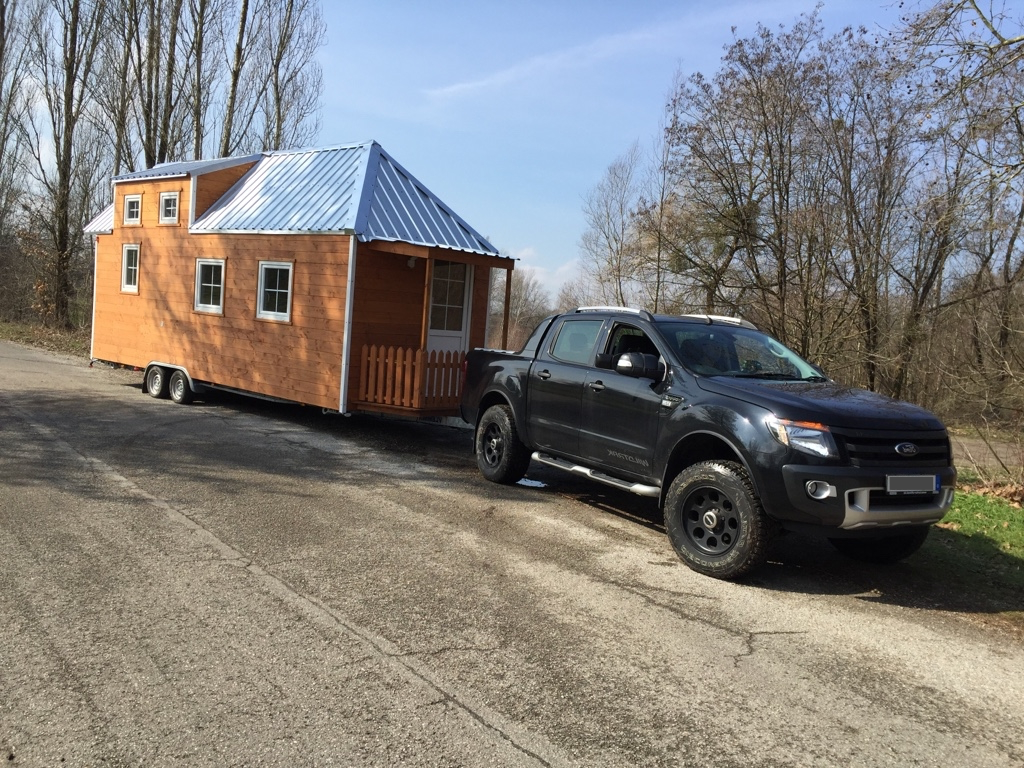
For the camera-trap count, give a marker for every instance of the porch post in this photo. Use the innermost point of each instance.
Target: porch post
(508, 300)
(425, 328)
(421, 378)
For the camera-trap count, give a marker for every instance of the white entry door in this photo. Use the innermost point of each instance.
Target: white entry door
(450, 292)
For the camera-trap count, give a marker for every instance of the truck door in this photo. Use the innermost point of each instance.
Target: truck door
(620, 414)
(555, 386)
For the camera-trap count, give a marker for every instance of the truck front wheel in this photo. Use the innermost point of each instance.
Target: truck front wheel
(500, 453)
(715, 520)
(883, 549)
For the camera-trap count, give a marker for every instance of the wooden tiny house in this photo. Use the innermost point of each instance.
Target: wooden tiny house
(329, 277)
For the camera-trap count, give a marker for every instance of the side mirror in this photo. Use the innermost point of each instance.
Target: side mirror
(638, 365)
(605, 360)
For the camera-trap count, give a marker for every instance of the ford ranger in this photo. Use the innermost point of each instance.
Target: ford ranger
(736, 435)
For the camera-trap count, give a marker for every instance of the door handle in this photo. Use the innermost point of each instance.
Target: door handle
(543, 375)
(597, 386)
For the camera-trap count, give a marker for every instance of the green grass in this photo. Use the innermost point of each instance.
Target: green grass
(978, 552)
(988, 526)
(73, 342)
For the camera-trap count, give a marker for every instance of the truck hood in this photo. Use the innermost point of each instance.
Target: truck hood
(825, 402)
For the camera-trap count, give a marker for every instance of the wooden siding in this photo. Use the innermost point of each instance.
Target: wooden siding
(210, 187)
(299, 360)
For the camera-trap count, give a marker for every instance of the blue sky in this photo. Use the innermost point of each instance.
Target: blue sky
(510, 112)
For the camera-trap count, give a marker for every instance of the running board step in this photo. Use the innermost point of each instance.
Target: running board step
(651, 491)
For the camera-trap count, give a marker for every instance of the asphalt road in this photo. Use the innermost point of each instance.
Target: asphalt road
(241, 583)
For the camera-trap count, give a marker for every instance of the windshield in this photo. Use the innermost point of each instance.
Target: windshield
(724, 350)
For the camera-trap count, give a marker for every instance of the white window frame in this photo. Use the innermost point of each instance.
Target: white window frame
(126, 286)
(264, 314)
(215, 309)
(164, 196)
(133, 199)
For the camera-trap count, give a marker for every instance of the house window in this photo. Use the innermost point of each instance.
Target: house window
(448, 294)
(168, 207)
(133, 209)
(130, 268)
(210, 285)
(274, 302)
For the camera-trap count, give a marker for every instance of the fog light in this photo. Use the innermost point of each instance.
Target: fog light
(819, 490)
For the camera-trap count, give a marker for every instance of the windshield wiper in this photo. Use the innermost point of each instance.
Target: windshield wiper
(767, 375)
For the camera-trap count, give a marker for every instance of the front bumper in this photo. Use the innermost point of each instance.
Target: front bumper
(855, 498)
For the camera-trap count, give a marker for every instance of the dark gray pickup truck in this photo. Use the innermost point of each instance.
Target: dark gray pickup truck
(735, 434)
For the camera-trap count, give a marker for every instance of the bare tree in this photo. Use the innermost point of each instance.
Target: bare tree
(65, 39)
(14, 106)
(529, 303)
(290, 106)
(611, 244)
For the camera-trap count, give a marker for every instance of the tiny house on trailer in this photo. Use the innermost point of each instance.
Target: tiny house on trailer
(328, 277)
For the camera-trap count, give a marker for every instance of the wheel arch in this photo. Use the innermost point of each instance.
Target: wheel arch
(492, 398)
(697, 447)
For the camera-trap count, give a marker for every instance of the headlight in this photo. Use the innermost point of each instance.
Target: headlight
(807, 436)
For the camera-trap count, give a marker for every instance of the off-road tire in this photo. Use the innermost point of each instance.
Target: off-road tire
(155, 384)
(883, 549)
(179, 388)
(715, 520)
(500, 454)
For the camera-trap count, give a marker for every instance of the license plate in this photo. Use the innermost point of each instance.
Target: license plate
(898, 484)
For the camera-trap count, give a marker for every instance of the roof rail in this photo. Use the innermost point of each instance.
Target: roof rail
(631, 310)
(722, 319)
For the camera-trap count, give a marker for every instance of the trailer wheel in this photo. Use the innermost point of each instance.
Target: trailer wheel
(500, 453)
(179, 388)
(156, 381)
(715, 520)
(883, 549)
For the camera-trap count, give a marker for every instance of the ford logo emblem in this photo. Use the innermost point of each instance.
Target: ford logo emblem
(907, 449)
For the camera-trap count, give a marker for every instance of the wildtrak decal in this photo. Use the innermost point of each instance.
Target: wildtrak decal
(627, 457)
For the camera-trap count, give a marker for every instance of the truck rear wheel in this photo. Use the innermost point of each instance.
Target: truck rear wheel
(883, 549)
(156, 381)
(715, 520)
(500, 453)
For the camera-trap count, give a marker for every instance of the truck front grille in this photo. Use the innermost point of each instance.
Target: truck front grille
(874, 448)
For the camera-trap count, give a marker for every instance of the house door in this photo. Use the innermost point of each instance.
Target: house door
(449, 307)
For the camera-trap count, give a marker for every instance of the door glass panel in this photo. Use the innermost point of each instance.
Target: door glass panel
(449, 296)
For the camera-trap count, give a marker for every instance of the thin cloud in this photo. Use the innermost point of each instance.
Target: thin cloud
(547, 64)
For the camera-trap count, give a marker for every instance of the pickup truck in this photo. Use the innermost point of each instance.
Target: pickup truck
(736, 435)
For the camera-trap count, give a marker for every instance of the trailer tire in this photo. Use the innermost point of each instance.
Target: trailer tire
(715, 520)
(500, 454)
(179, 388)
(156, 381)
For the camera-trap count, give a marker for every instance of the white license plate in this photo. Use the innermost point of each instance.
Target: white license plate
(896, 484)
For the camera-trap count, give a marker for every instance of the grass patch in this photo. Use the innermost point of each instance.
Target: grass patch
(74, 342)
(979, 548)
(988, 525)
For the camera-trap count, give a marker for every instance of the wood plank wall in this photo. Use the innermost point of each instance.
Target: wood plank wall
(299, 360)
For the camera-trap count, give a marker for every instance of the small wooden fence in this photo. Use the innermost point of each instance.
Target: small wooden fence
(397, 377)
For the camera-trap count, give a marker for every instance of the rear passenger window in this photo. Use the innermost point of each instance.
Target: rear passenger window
(576, 341)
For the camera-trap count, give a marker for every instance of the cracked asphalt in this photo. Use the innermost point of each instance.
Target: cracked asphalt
(243, 583)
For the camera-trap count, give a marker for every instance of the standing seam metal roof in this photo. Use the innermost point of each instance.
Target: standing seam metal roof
(356, 188)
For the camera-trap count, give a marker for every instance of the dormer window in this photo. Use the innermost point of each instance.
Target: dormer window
(169, 208)
(133, 209)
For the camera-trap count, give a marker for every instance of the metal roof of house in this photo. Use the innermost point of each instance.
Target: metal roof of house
(356, 188)
(102, 223)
